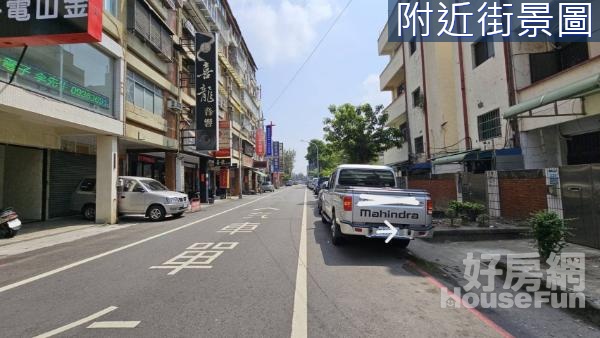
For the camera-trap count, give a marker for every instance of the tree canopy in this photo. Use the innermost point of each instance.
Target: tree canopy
(359, 133)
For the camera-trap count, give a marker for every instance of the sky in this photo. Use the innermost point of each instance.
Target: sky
(345, 69)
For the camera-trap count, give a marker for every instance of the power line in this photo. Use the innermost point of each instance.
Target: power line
(287, 86)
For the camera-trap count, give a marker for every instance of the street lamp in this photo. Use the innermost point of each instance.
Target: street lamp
(317, 146)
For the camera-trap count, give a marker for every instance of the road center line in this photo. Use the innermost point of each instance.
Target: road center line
(300, 314)
(107, 253)
(77, 323)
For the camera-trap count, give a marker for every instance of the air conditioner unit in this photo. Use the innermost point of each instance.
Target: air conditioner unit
(174, 105)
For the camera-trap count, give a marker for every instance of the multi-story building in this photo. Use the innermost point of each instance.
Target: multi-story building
(488, 105)
(420, 77)
(123, 106)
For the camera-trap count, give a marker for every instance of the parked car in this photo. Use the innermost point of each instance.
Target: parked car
(322, 189)
(362, 198)
(313, 183)
(267, 186)
(135, 196)
(289, 183)
(320, 181)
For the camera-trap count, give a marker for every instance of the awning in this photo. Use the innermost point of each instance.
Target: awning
(417, 166)
(260, 173)
(454, 158)
(570, 91)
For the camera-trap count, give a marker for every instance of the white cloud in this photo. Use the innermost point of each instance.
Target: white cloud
(372, 94)
(283, 31)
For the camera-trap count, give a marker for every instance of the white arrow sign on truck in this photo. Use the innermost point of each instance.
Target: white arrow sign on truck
(392, 232)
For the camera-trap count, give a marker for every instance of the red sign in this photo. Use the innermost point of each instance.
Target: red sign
(60, 21)
(146, 159)
(260, 142)
(222, 153)
(224, 178)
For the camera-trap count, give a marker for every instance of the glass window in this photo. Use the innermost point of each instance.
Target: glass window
(367, 178)
(112, 7)
(145, 94)
(489, 125)
(482, 50)
(153, 185)
(76, 73)
(419, 146)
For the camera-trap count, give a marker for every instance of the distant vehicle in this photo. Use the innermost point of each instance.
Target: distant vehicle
(313, 183)
(267, 186)
(136, 196)
(289, 183)
(361, 198)
(320, 181)
(322, 189)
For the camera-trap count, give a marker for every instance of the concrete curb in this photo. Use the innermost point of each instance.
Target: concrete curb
(479, 234)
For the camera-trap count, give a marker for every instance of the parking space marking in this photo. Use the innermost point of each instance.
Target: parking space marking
(235, 228)
(77, 323)
(196, 256)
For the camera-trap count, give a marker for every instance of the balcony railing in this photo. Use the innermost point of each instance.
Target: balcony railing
(396, 109)
(392, 76)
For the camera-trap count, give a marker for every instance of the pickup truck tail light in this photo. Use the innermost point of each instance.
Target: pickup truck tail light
(347, 203)
(429, 207)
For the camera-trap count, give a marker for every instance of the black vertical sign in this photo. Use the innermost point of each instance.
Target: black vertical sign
(207, 92)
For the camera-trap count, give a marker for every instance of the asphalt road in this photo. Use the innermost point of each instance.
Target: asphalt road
(241, 268)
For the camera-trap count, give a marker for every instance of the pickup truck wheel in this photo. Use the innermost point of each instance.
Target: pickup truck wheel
(337, 238)
(402, 243)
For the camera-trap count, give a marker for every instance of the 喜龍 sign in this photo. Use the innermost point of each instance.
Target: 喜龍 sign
(207, 93)
(49, 22)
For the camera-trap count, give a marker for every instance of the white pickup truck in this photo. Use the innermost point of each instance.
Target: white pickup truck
(360, 199)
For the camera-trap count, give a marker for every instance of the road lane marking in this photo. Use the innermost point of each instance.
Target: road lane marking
(457, 299)
(114, 325)
(107, 253)
(77, 323)
(300, 314)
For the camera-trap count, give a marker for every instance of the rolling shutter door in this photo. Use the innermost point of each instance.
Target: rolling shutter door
(65, 172)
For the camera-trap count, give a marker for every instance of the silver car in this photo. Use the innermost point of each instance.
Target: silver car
(267, 186)
(136, 196)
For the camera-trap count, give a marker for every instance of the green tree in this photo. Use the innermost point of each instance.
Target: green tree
(360, 132)
(289, 158)
(329, 157)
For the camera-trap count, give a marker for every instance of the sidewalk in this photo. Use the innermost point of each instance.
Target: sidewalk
(448, 258)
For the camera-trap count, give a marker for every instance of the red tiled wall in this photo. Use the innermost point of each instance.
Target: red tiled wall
(520, 197)
(442, 191)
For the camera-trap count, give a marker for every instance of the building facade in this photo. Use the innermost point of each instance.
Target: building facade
(124, 106)
(486, 105)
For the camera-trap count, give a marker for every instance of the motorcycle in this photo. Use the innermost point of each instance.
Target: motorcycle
(9, 223)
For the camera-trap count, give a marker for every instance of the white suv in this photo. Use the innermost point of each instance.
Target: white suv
(135, 196)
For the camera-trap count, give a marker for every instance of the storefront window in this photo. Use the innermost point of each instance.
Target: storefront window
(144, 94)
(77, 73)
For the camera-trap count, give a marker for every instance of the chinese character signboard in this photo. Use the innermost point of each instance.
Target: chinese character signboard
(275, 159)
(519, 20)
(269, 140)
(280, 157)
(260, 142)
(207, 94)
(49, 22)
